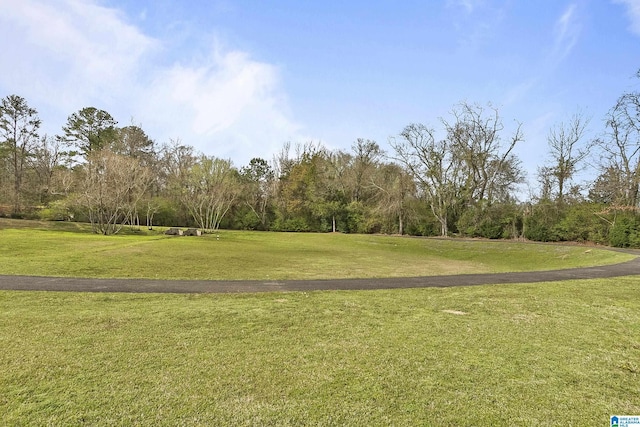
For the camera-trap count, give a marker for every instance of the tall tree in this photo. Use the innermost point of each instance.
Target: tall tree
(132, 141)
(621, 148)
(258, 189)
(566, 151)
(468, 168)
(19, 126)
(395, 187)
(47, 159)
(299, 188)
(175, 159)
(475, 135)
(366, 155)
(89, 130)
(607, 188)
(331, 186)
(434, 166)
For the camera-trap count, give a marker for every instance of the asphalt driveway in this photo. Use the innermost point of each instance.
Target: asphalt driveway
(35, 283)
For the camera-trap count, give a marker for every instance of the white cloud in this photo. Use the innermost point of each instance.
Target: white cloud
(68, 54)
(216, 92)
(71, 50)
(228, 102)
(633, 12)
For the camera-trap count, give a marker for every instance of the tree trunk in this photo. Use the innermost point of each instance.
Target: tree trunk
(16, 195)
(444, 229)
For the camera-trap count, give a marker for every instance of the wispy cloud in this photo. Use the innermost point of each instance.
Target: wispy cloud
(475, 20)
(68, 54)
(567, 33)
(467, 5)
(518, 92)
(633, 12)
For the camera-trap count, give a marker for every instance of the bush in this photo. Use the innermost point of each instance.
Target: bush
(290, 224)
(499, 221)
(624, 232)
(580, 224)
(539, 225)
(57, 211)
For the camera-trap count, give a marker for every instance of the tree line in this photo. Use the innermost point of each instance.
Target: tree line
(459, 175)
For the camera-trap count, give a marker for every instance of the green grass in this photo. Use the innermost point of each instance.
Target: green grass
(562, 353)
(70, 250)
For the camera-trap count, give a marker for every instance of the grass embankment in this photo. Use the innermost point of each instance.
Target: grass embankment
(565, 353)
(70, 250)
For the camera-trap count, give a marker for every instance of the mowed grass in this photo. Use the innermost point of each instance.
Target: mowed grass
(70, 250)
(562, 353)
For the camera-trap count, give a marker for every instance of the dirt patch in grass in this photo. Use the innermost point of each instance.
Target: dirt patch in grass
(456, 312)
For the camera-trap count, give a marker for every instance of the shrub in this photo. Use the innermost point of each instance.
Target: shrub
(580, 224)
(539, 224)
(57, 211)
(622, 231)
(498, 221)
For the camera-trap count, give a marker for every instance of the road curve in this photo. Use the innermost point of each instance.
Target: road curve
(36, 283)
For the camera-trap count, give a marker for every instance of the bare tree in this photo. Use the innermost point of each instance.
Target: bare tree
(395, 187)
(110, 190)
(210, 189)
(621, 149)
(366, 155)
(567, 152)
(433, 165)
(282, 161)
(174, 162)
(46, 160)
(470, 165)
(475, 138)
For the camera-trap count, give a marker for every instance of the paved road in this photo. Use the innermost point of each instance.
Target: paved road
(34, 283)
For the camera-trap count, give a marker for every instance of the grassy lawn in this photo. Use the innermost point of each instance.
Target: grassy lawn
(563, 353)
(68, 249)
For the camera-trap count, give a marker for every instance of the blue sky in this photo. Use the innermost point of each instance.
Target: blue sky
(237, 79)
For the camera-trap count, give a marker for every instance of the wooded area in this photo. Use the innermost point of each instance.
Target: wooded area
(466, 182)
